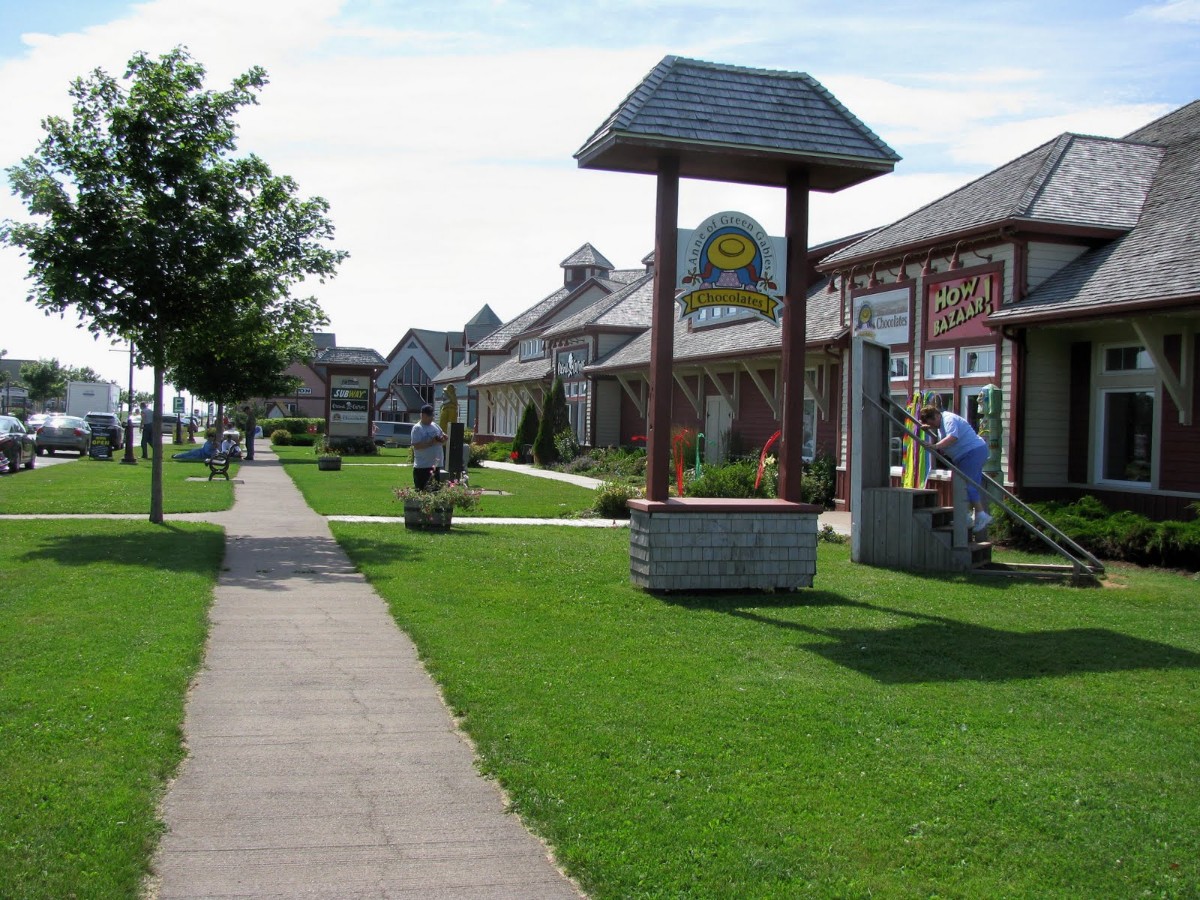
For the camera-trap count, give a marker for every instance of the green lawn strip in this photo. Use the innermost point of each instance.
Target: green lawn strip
(883, 734)
(102, 626)
(364, 488)
(109, 487)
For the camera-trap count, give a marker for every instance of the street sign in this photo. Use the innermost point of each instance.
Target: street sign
(177, 405)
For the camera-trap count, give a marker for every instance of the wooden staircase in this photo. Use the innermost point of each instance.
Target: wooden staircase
(913, 532)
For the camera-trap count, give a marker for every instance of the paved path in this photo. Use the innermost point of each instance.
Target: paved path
(322, 762)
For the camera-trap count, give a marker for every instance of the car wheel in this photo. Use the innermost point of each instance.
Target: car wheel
(50, 451)
(29, 462)
(41, 451)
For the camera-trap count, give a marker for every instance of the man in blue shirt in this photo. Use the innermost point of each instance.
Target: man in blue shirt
(427, 442)
(966, 449)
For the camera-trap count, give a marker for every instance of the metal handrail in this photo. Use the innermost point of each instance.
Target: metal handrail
(1081, 559)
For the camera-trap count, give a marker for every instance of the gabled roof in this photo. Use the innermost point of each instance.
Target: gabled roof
(587, 255)
(1096, 186)
(432, 342)
(501, 339)
(1155, 265)
(739, 339)
(732, 123)
(485, 316)
(627, 309)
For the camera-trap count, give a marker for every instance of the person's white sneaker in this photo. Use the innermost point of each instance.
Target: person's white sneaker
(982, 520)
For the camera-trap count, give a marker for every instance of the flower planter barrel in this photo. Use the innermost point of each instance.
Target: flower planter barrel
(434, 520)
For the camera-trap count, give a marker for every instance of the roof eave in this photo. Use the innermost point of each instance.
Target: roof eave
(1091, 312)
(713, 161)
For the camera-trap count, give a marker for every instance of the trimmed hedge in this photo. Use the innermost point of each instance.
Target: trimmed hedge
(293, 425)
(1120, 535)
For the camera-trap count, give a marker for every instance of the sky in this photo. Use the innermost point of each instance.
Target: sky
(442, 133)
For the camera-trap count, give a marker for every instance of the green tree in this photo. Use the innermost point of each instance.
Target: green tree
(84, 373)
(555, 418)
(44, 380)
(248, 358)
(527, 429)
(150, 229)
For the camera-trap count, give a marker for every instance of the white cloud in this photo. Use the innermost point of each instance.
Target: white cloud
(1183, 12)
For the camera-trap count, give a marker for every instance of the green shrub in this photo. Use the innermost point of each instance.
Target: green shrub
(478, 454)
(1122, 535)
(305, 440)
(735, 479)
(527, 429)
(611, 499)
(294, 425)
(281, 437)
(350, 446)
(820, 481)
(555, 420)
(565, 445)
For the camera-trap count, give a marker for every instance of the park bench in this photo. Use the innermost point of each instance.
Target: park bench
(218, 465)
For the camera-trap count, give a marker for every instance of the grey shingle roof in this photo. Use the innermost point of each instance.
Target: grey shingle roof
(1154, 265)
(744, 338)
(350, 356)
(513, 371)
(459, 372)
(627, 308)
(502, 337)
(587, 255)
(737, 124)
(1091, 183)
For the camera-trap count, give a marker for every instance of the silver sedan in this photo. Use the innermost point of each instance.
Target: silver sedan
(64, 433)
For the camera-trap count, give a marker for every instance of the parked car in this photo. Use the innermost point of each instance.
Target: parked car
(393, 434)
(169, 420)
(17, 445)
(64, 433)
(102, 422)
(33, 421)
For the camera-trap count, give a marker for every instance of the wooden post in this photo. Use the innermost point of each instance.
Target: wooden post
(662, 330)
(791, 458)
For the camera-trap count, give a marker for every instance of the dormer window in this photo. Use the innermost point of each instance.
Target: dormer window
(531, 348)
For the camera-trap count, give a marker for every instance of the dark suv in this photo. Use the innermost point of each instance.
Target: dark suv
(107, 422)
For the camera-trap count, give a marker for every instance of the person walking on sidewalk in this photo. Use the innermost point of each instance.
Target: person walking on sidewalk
(967, 450)
(427, 442)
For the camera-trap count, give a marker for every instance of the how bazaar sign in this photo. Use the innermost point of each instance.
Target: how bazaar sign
(957, 309)
(731, 261)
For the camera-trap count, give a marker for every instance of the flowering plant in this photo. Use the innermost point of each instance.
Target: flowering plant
(451, 495)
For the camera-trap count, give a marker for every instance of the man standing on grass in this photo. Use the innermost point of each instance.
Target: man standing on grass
(427, 442)
(147, 428)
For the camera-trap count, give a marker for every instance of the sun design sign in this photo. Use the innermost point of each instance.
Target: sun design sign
(731, 261)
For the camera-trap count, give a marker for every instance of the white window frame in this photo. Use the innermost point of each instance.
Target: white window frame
(1135, 386)
(1127, 373)
(931, 355)
(982, 373)
(897, 357)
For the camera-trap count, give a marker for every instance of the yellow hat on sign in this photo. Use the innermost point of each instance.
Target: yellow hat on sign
(731, 251)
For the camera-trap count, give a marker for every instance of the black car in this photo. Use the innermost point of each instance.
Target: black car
(18, 446)
(107, 422)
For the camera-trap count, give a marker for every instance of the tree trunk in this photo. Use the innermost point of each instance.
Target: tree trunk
(156, 451)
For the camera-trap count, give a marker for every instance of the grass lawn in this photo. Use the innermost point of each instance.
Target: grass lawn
(102, 624)
(364, 486)
(107, 487)
(883, 734)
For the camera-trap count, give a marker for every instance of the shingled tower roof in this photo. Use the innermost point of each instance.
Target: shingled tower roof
(731, 123)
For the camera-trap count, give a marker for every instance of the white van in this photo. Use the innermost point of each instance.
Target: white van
(392, 434)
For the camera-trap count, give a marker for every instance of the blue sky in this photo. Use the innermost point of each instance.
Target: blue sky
(442, 133)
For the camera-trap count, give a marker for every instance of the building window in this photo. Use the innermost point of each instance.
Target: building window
(898, 368)
(978, 361)
(532, 348)
(1127, 435)
(970, 406)
(939, 364)
(1127, 359)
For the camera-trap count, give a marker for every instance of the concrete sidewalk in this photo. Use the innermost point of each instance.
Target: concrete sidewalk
(322, 761)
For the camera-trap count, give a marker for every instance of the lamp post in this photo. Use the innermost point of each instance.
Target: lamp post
(129, 459)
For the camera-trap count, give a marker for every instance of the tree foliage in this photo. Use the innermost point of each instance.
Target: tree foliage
(527, 428)
(555, 418)
(43, 380)
(148, 228)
